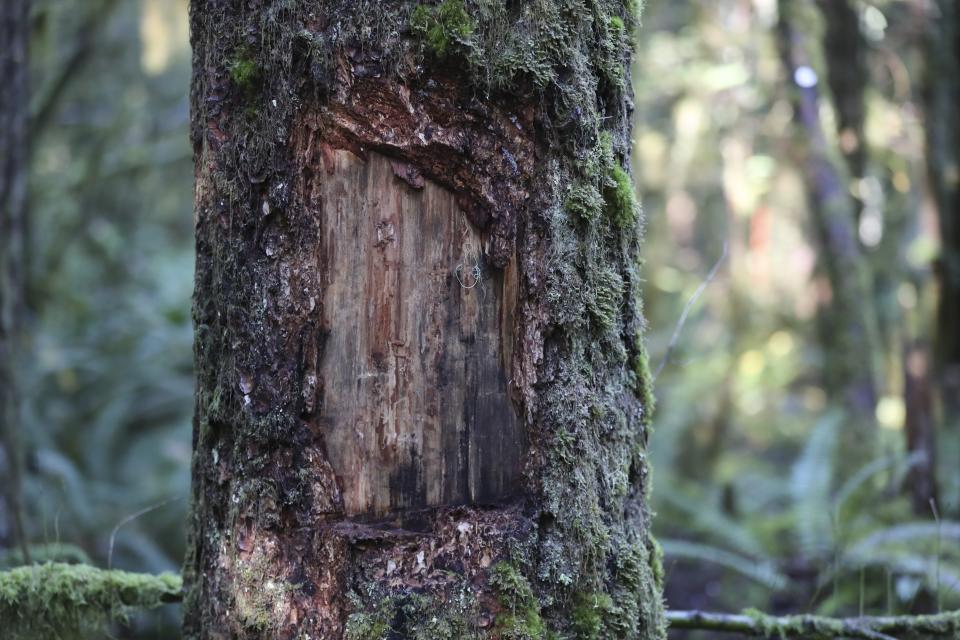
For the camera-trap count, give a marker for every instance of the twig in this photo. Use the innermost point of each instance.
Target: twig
(944, 625)
(130, 518)
(686, 311)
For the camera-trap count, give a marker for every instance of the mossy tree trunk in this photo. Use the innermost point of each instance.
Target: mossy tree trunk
(14, 32)
(422, 394)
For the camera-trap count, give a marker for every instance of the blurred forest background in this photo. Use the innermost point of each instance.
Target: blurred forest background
(798, 181)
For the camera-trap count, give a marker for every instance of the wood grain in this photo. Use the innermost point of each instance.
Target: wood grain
(414, 404)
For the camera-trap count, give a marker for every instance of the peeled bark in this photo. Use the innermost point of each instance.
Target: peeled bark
(422, 396)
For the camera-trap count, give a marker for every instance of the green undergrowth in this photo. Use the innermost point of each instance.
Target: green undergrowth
(56, 600)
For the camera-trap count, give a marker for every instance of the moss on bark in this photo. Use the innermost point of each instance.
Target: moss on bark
(580, 532)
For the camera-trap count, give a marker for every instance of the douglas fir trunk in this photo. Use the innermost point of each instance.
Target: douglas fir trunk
(422, 395)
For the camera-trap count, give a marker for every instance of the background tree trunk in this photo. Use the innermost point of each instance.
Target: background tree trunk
(422, 395)
(14, 33)
(943, 137)
(847, 324)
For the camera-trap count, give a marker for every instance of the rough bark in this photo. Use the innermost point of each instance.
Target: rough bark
(14, 31)
(422, 396)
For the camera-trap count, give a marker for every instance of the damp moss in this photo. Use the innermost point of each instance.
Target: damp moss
(620, 199)
(443, 26)
(642, 377)
(245, 71)
(520, 618)
(589, 613)
(607, 298)
(56, 600)
(584, 202)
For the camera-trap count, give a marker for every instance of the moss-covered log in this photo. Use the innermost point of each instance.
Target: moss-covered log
(422, 395)
(754, 623)
(56, 600)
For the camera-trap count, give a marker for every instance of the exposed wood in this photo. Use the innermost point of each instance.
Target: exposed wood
(411, 389)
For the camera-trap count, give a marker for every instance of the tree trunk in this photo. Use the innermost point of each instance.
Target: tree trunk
(846, 322)
(14, 32)
(422, 396)
(942, 88)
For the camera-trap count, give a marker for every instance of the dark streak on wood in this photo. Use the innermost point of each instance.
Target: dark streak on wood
(413, 398)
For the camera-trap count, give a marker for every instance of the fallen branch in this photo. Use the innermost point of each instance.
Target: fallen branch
(754, 623)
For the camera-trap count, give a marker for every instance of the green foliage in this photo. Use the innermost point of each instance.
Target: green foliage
(442, 26)
(75, 601)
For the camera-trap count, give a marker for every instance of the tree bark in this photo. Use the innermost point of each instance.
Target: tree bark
(422, 394)
(14, 32)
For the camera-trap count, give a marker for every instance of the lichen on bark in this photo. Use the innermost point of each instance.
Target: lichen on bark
(523, 111)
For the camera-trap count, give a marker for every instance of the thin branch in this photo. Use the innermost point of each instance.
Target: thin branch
(941, 625)
(686, 311)
(130, 518)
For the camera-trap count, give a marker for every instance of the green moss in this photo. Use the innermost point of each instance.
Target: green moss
(568, 60)
(245, 71)
(620, 199)
(443, 26)
(584, 202)
(75, 601)
(642, 378)
(520, 619)
(589, 613)
(366, 626)
(607, 299)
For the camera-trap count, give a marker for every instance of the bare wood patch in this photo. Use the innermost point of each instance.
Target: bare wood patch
(413, 390)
